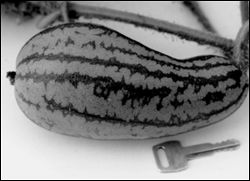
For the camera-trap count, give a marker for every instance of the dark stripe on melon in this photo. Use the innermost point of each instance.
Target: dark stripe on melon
(175, 120)
(69, 58)
(75, 78)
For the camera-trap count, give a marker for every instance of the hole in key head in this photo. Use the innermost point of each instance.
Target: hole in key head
(163, 157)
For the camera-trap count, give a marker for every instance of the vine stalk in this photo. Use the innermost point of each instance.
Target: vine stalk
(203, 38)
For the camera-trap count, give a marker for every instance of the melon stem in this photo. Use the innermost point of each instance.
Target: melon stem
(11, 75)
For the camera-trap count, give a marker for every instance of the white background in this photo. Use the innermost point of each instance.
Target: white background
(30, 152)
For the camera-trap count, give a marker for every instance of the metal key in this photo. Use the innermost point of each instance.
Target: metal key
(178, 156)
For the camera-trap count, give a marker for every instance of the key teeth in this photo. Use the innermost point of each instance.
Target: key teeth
(231, 141)
(235, 145)
(235, 141)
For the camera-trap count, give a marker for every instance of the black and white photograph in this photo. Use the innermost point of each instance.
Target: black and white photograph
(124, 90)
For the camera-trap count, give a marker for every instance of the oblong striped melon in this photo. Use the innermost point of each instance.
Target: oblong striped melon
(91, 81)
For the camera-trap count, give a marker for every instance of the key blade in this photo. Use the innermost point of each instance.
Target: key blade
(195, 149)
(206, 149)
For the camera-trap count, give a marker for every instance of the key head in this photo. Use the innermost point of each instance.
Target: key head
(177, 160)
